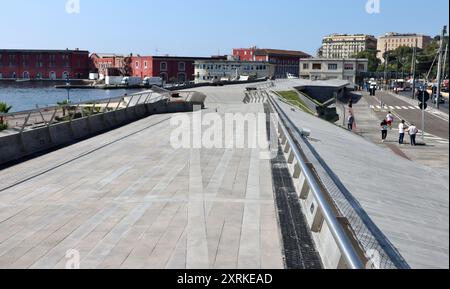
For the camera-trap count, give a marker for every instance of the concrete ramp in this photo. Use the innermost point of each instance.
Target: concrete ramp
(408, 202)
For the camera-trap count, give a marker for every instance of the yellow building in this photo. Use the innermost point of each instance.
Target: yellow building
(392, 41)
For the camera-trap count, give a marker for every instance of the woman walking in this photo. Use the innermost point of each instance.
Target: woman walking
(384, 130)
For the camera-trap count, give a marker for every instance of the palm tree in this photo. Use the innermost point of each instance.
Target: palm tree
(63, 105)
(4, 108)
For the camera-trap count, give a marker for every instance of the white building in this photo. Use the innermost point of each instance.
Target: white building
(346, 45)
(324, 69)
(231, 70)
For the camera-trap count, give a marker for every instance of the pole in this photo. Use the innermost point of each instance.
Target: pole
(445, 61)
(439, 74)
(413, 67)
(423, 122)
(386, 60)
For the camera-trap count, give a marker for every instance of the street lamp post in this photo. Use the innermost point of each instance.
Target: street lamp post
(439, 73)
(68, 88)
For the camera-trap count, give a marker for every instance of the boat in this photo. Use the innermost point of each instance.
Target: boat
(23, 80)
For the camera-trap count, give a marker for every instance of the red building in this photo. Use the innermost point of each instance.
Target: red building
(44, 64)
(170, 68)
(285, 61)
(101, 62)
(245, 54)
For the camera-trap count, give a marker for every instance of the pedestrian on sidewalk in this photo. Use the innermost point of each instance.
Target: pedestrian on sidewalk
(384, 130)
(401, 129)
(390, 119)
(350, 122)
(413, 131)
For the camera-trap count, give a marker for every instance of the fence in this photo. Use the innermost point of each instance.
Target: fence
(67, 112)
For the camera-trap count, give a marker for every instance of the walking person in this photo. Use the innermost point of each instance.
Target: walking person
(384, 130)
(390, 119)
(350, 122)
(401, 129)
(413, 131)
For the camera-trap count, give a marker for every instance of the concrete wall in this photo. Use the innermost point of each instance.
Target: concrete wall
(17, 146)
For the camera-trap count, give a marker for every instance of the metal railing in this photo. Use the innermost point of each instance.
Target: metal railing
(344, 243)
(365, 234)
(67, 112)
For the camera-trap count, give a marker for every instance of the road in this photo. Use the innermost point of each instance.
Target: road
(442, 107)
(434, 125)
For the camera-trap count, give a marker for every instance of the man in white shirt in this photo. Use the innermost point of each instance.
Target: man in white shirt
(413, 131)
(401, 130)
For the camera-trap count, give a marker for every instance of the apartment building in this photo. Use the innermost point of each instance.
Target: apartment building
(392, 41)
(346, 45)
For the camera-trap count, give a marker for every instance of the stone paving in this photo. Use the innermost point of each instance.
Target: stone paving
(127, 199)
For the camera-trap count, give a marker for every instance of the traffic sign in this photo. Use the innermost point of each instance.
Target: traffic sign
(423, 96)
(423, 106)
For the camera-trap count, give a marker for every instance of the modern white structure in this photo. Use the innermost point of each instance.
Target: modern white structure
(231, 70)
(324, 69)
(346, 46)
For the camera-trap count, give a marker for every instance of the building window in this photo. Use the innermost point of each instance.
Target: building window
(52, 75)
(361, 67)
(145, 64)
(39, 61)
(164, 76)
(181, 77)
(348, 66)
(332, 66)
(137, 64)
(52, 61)
(163, 66)
(317, 66)
(12, 60)
(182, 66)
(25, 61)
(66, 60)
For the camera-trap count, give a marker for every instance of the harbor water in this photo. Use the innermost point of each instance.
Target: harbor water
(30, 95)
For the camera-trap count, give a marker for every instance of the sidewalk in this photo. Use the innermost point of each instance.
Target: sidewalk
(433, 154)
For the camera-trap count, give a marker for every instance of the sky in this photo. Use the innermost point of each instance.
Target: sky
(206, 27)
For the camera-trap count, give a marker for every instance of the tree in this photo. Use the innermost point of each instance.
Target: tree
(63, 105)
(371, 55)
(4, 108)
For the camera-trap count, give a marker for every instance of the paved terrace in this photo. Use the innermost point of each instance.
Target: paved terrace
(127, 199)
(408, 201)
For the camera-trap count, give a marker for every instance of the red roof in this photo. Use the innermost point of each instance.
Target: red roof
(280, 52)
